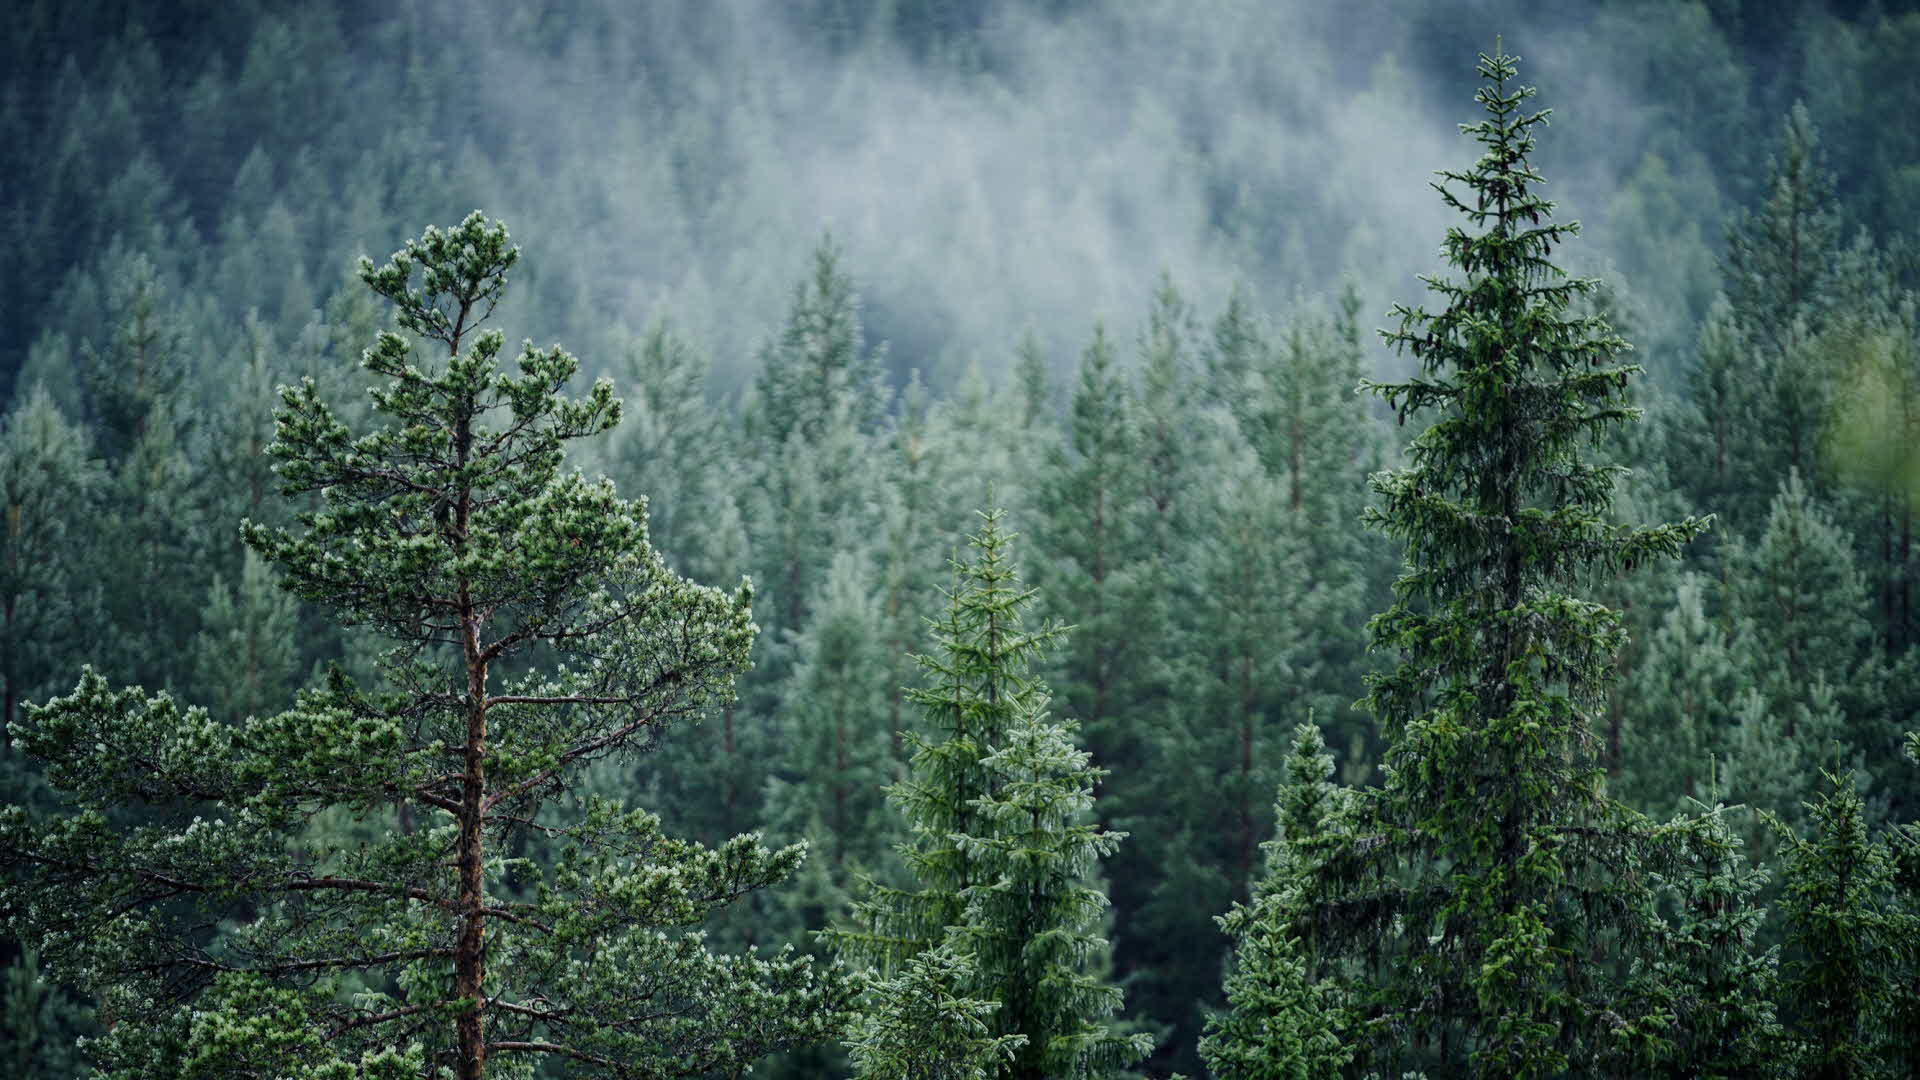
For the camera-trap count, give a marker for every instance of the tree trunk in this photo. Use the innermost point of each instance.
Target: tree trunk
(469, 957)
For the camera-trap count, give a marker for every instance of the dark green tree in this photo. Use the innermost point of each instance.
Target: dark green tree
(1284, 1020)
(1783, 256)
(1003, 848)
(920, 1025)
(1680, 702)
(1841, 983)
(1709, 969)
(675, 446)
(1488, 892)
(48, 479)
(515, 925)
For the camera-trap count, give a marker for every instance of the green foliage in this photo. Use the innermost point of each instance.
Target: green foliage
(183, 189)
(919, 1025)
(1706, 967)
(47, 470)
(1782, 257)
(1846, 941)
(39, 1024)
(516, 923)
(1490, 887)
(1284, 1021)
(1003, 849)
(1800, 599)
(1680, 701)
(820, 364)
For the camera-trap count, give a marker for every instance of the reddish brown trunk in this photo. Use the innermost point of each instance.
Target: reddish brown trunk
(469, 957)
(470, 950)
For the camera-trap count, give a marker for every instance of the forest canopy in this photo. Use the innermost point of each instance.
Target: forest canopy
(836, 279)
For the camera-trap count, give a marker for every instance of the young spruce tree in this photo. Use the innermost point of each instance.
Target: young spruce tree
(1003, 851)
(1485, 895)
(1284, 1019)
(536, 632)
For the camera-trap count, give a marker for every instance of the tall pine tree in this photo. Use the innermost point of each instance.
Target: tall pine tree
(511, 927)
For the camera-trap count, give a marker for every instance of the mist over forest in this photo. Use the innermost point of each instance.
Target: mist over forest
(1490, 759)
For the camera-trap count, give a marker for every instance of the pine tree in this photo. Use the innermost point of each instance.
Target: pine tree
(40, 1026)
(1798, 600)
(1764, 381)
(1488, 888)
(672, 444)
(1003, 849)
(245, 659)
(511, 927)
(830, 756)
(1091, 539)
(1799, 607)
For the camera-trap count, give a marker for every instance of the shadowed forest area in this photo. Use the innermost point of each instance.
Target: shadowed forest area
(1132, 580)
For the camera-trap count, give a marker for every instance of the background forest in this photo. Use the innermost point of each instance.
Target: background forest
(860, 268)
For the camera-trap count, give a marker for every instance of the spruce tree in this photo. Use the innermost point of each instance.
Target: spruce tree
(1486, 892)
(1680, 703)
(1709, 969)
(514, 925)
(920, 1025)
(1284, 1019)
(1003, 848)
(1841, 984)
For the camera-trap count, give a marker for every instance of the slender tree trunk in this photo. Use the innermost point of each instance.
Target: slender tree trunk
(469, 957)
(470, 952)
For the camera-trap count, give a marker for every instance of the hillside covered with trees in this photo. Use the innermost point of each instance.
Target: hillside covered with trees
(1050, 549)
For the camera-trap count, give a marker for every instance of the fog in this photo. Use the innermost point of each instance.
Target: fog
(1043, 184)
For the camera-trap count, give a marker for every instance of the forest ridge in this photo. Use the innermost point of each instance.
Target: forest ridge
(945, 664)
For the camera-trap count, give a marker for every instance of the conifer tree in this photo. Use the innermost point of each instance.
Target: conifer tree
(1487, 890)
(820, 364)
(1003, 847)
(1842, 978)
(511, 927)
(1680, 703)
(48, 476)
(1092, 539)
(829, 758)
(1708, 968)
(1799, 601)
(1783, 256)
(1764, 381)
(245, 658)
(920, 1025)
(673, 445)
(1284, 1020)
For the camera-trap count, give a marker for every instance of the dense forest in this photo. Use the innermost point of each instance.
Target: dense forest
(1064, 539)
